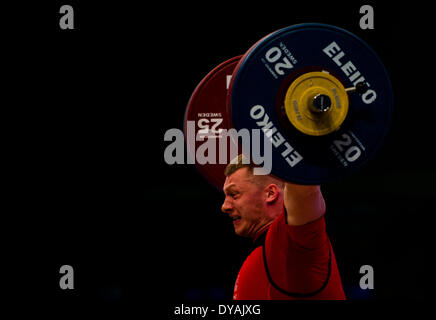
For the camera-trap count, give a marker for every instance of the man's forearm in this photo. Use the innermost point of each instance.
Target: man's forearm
(303, 203)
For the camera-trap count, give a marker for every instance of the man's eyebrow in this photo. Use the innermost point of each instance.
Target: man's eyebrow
(228, 187)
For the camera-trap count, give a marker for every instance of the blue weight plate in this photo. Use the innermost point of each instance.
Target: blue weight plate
(259, 84)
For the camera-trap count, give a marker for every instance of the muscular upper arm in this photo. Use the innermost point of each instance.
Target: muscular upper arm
(303, 203)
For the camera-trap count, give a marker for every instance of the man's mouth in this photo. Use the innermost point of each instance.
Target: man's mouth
(236, 219)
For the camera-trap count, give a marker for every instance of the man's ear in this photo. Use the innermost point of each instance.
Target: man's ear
(272, 193)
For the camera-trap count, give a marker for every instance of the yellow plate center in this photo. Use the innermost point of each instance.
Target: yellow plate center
(316, 103)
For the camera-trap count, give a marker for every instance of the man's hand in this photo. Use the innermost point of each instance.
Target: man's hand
(303, 203)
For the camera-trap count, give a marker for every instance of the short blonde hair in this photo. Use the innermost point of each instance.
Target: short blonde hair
(237, 163)
(243, 162)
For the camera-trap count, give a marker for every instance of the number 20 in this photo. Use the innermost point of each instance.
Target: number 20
(352, 153)
(273, 55)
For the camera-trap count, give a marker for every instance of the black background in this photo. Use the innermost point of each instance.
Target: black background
(89, 186)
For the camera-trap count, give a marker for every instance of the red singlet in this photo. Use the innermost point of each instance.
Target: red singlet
(294, 262)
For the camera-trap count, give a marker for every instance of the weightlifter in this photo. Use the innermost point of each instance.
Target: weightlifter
(293, 257)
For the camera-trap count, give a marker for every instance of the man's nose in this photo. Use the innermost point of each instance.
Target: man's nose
(227, 206)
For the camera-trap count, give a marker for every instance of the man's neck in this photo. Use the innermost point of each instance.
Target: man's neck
(264, 224)
(261, 230)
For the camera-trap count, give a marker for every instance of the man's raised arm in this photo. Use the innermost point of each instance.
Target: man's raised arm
(303, 203)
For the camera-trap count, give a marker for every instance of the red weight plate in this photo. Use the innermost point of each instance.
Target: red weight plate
(205, 118)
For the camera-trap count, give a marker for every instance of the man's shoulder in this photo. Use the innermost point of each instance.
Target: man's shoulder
(308, 235)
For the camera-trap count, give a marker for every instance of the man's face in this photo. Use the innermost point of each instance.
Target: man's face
(245, 203)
